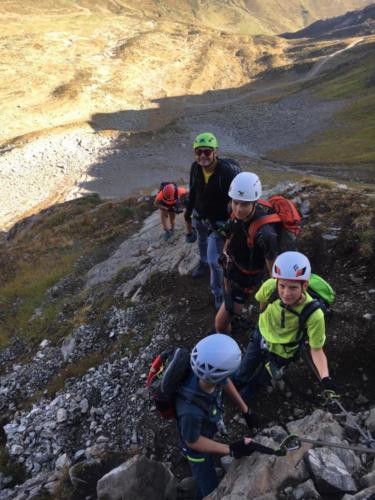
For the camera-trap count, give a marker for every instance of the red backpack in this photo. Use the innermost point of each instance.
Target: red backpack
(287, 214)
(167, 371)
(167, 374)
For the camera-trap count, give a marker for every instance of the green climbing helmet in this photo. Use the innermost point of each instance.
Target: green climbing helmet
(205, 140)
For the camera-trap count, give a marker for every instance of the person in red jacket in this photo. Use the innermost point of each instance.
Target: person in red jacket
(170, 201)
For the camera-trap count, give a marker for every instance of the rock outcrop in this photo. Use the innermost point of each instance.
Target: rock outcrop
(77, 399)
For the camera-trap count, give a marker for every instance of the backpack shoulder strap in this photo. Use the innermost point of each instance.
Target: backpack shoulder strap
(257, 224)
(264, 202)
(274, 296)
(193, 174)
(230, 167)
(304, 315)
(191, 396)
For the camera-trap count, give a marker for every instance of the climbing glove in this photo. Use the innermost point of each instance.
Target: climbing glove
(252, 419)
(329, 390)
(191, 237)
(239, 449)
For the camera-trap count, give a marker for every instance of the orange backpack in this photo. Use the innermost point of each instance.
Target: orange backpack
(287, 214)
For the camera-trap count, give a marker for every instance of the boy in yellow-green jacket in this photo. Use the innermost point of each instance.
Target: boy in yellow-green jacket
(288, 316)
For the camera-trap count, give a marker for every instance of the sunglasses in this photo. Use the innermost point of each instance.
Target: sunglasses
(205, 152)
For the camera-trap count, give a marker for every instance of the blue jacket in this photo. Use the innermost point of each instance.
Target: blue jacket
(197, 411)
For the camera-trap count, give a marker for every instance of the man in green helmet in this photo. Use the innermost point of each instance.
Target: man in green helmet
(207, 209)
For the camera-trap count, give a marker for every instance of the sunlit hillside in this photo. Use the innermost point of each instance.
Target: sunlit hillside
(240, 16)
(350, 138)
(91, 89)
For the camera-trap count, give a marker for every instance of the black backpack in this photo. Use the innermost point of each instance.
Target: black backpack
(231, 169)
(167, 374)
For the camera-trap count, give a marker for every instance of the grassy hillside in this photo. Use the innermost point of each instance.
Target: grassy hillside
(65, 60)
(351, 138)
(239, 16)
(48, 255)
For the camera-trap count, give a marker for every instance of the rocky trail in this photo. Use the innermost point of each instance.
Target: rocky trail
(91, 293)
(57, 419)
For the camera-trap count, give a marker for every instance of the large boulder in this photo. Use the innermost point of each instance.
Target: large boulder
(370, 421)
(367, 494)
(305, 491)
(139, 478)
(320, 425)
(329, 472)
(259, 476)
(145, 253)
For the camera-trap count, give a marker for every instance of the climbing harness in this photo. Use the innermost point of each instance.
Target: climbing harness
(294, 442)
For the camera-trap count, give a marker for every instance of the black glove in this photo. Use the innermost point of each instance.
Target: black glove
(240, 449)
(329, 389)
(252, 419)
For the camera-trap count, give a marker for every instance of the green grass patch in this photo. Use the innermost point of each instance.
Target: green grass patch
(348, 83)
(367, 243)
(351, 138)
(319, 182)
(76, 369)
(41, 254)
(350, 141)
(22, 295)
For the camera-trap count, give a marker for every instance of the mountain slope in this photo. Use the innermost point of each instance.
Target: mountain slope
(349, 140)
(240, 16)
(357, 23)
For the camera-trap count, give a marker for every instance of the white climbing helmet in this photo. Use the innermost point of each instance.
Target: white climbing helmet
(246, 186)
(215, 357)
(292, 266)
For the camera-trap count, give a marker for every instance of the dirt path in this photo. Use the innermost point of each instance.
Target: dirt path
(267, 89)
(318, 66)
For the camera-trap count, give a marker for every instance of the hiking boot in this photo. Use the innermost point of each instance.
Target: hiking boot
(200, 269)
(219, 299)
(167, 234)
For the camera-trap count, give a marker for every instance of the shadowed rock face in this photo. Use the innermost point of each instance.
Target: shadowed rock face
(356, 23)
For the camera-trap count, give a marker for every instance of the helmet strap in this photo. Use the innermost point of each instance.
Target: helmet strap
(252, 211)
(206, 386)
